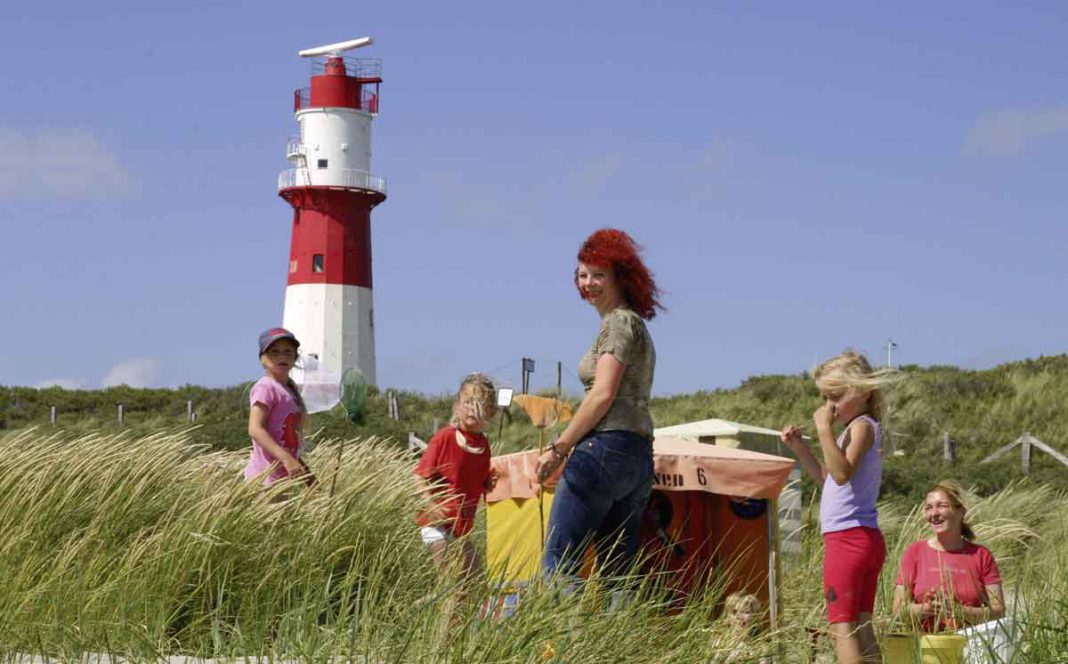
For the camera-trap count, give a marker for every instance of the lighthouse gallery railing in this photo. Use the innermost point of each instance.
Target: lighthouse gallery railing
(348, 178)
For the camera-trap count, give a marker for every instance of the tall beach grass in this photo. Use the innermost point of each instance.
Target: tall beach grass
(149, 546)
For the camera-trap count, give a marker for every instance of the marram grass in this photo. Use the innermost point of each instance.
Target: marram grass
(147, 547)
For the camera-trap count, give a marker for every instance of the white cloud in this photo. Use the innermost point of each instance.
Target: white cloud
(59, 164)
(136, 372)
(65, 383)
(1010, 132)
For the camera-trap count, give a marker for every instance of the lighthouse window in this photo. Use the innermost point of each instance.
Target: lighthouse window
(317, 263)
(322, 163)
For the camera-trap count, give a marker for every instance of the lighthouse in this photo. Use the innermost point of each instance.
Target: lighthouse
(332, 190)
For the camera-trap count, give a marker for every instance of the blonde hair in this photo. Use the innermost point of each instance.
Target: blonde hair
(292, 385)
(738, 602)
(485, 393)
(955, 492)
(851, 373)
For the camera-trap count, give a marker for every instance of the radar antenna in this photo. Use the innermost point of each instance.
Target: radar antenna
(335, 50)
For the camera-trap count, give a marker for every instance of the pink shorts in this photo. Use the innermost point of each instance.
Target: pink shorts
(852, 560)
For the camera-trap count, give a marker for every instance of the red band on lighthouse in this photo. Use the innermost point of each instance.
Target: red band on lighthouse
(331, 241)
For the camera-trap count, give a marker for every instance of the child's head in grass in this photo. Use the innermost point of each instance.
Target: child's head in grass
(743, 612)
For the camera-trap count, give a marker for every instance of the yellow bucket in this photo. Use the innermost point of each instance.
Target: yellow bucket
(901, 649)
(926, 649)
(943, 648)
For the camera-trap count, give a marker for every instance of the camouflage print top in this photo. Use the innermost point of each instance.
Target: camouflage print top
(624, 335)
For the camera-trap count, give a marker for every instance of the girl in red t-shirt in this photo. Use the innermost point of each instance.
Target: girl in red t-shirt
(947, 581)
(454, 471)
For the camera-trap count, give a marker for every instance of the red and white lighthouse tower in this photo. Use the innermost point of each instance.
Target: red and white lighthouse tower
(332, 190)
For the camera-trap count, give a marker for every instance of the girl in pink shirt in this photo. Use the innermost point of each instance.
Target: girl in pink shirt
(276, 412)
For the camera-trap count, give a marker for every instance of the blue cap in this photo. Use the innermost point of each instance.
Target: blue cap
(268, 337)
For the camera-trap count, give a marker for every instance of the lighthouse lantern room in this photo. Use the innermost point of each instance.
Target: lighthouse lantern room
(328, 302)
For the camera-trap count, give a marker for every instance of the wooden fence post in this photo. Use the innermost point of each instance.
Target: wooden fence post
(189, 415)
(949, 449)
(52, 415)
(122, 416)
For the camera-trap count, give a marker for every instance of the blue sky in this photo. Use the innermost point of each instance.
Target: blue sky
(804, 177)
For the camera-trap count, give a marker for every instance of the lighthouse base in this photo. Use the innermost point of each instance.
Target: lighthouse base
(335, 323)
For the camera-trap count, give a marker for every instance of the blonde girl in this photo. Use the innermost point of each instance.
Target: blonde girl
(454, 470)
(744, 614)
(850, 473)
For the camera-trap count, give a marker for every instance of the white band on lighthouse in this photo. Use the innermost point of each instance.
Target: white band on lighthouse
(335, 323)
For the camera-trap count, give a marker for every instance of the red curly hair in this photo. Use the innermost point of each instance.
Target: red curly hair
(611, 247)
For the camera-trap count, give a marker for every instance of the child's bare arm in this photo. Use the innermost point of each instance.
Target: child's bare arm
(791, 436)
(257, 429)
(841, 464)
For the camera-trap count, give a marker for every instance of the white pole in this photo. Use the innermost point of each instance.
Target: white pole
(771, 525)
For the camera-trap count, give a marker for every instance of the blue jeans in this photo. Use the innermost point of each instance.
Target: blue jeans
(600, 499)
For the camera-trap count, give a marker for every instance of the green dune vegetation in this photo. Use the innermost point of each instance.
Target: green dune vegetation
(143, 541)
(980, 410)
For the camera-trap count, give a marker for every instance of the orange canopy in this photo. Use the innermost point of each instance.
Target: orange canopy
(679, 465)
(544, 412)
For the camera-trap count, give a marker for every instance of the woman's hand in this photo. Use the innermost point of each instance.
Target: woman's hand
(549, 462)
(930, 607)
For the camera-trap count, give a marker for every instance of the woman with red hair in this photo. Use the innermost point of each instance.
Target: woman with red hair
(607, 446)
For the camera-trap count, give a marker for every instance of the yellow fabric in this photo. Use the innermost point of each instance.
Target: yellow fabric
(513, 538)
